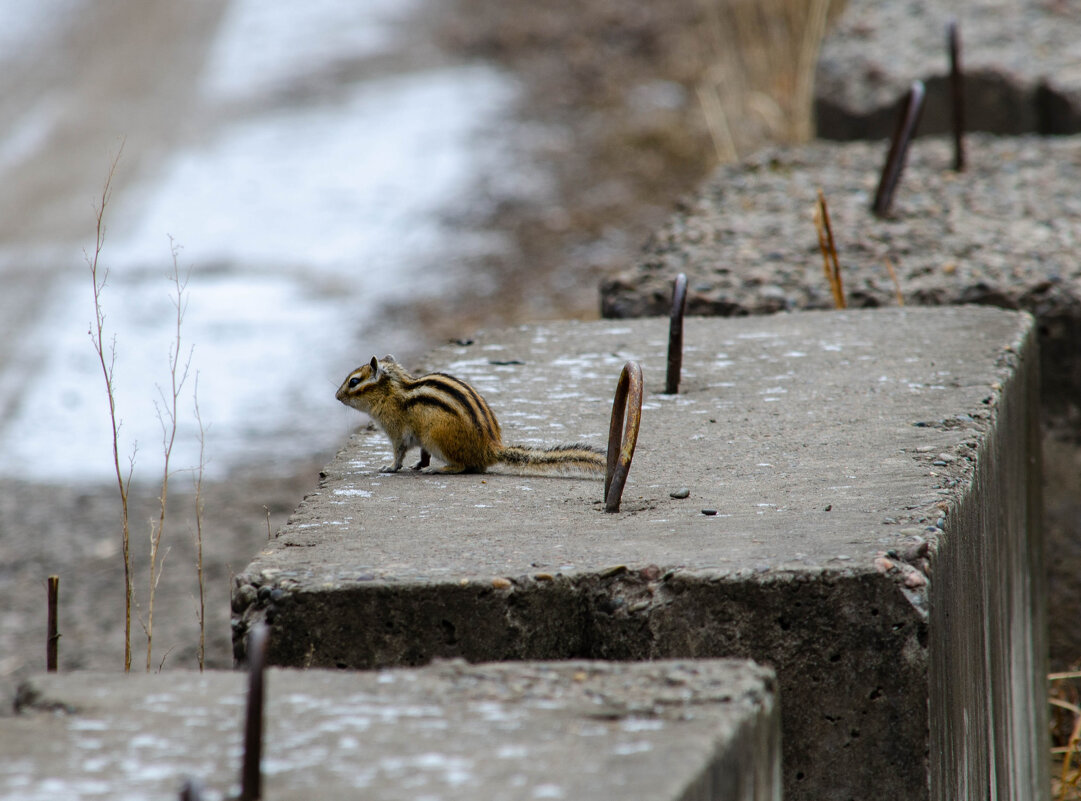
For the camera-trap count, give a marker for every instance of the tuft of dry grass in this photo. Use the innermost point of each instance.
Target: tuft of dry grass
(759, 85)
(1066, 735)
(637, 103)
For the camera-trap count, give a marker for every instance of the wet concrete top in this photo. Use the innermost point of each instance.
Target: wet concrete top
(819, 439)
(525, 730)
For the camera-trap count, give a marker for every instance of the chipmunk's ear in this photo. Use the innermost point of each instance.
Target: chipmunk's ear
(389, 358)
(374, 364)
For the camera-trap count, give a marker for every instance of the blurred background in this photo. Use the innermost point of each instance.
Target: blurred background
(337, 179)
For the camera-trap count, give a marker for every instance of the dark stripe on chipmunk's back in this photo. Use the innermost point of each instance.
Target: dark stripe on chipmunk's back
(467, 397)
(429, 400)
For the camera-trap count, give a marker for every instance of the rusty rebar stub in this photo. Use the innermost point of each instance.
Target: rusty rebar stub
(957, 95)
(623, 433)
(902, 137)
(191, 790)
(251, 769)
(52, 635)
(675, 334)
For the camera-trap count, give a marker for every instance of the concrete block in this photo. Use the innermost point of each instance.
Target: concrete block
(1002, 233)
(665, 730)
(861, 516)
(1020, 61)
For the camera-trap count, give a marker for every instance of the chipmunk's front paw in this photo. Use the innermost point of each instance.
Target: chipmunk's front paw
(390, 468)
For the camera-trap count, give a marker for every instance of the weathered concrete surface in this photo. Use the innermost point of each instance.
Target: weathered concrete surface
(831, 445)
(1020, 60)
(1002, 233)
(665, 730)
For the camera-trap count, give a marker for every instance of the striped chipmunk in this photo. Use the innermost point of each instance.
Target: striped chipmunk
(450, 420)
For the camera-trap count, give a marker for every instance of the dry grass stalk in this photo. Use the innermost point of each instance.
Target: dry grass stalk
(167, 415)
(764, 54)
(830, 265)
(724, 145)
(801, 114)
(99, 278)
(1069, 777)
(199, 528)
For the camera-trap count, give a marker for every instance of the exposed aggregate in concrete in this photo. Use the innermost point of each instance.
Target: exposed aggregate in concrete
(1002, 233)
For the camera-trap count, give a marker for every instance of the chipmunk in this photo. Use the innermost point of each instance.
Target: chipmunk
(449, 419)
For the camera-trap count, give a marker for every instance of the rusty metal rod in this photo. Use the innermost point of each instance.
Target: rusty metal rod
(52, 626)
(251, 770)
(830, 263)
(902, 137)
(622, 438)
(957, 95)
(675, 334)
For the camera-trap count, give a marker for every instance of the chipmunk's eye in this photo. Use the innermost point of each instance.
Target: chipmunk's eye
(353, 382)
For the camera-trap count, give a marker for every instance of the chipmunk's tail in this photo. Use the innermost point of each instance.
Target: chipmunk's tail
(560, 459)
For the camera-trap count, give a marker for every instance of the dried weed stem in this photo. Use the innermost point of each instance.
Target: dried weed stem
(99, 278)
(1069, 777)
(199, 527)
(167, 416)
